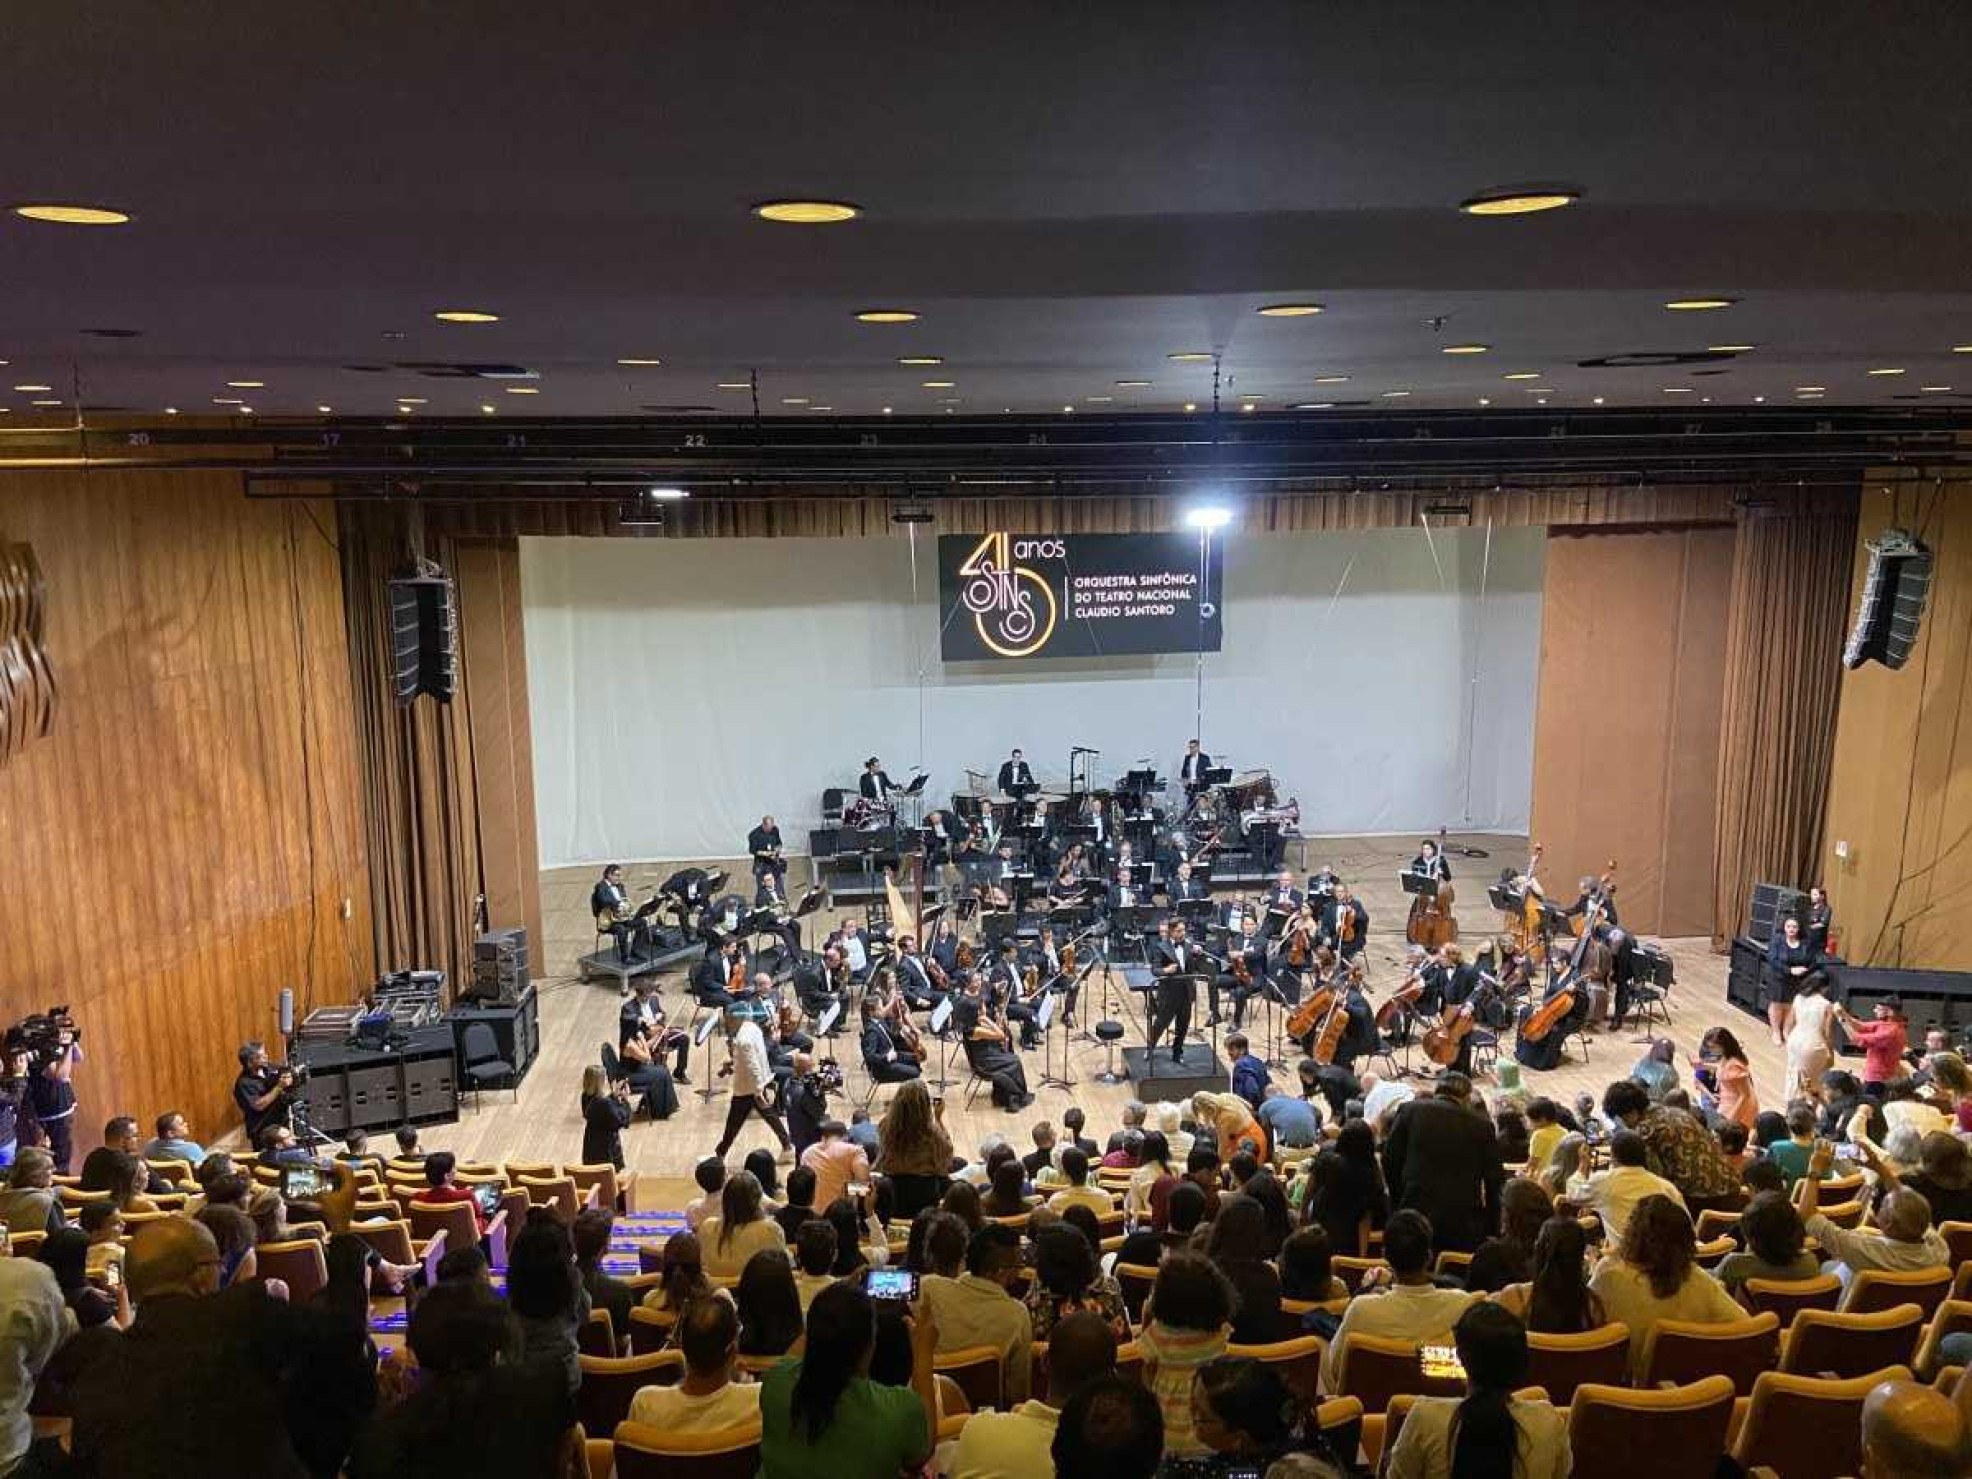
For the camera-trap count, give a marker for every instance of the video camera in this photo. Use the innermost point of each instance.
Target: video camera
(45, 1036)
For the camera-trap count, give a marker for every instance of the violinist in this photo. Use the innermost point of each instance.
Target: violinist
(1067, 885)
(764, 842)
(885, 1059)
(1295, 951)
(988, 1050)
(1003, 989)
(1095, 814)
(1244, 971)
(1345, 924)
(713, 978)
(818, 983)
(643, 1017)
(1003, 880)
(914, 979)
(854, 947)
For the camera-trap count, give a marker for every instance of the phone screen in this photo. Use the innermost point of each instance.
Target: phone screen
(301, 1182)
(488, 1196)
(1440, 1363)
(1847, 1153)
(890, 1283)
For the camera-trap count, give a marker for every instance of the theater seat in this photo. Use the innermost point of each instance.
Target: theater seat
(1788, 1297)
(1871, 1290)
(609, 1382)
(1679, 1351)
(1804, 1427)
(1669, 1433)
(1819, 1343)
(644, 1452)
(299, 1263)
(1561, 1363)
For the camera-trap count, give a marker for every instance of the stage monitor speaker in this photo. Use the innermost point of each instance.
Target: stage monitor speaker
(1743, 984)
(1892, 604)
(1771, 903)
(424, 637)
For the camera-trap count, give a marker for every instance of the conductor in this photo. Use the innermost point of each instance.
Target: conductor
(1176, 963)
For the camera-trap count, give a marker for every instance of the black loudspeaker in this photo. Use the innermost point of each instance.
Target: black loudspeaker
(1771, 903)
(1743, 985)
(499, 966)
(1892, 605)
(424, 636)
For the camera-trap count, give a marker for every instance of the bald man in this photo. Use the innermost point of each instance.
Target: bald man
(1913, 1432)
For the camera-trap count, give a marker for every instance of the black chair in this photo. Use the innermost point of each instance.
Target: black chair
(483, 1062)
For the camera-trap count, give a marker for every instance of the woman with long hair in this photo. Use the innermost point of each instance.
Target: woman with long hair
(1655, 1276)
(545, 1292)
(1732, 1077)
(1069, 1280)
(821, 1413)
(739, 1229)
(1347, 1196)
(606, 1113)
(913, 1149)
(1567, 1170)
(760, 1163)
(1807, 1026)
(65, 1252)
(1237, 1241)
(1555, 1299)
(769, 1305)
(1488, 1433)
(681, 1276)
(851, 1253)
(1153, 1166)
(649, 1079)
(1524, 1209)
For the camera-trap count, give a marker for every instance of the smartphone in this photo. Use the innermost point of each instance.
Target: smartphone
(890, 1283)
(487, 1195)
(1440, 1363)
(1847, 1153)
(112, 1273)
(6, 1241)
(303, 1183)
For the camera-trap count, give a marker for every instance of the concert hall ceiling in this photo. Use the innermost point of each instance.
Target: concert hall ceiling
(1082, 204)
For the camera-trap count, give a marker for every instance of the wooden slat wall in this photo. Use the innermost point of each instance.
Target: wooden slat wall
(181, 847)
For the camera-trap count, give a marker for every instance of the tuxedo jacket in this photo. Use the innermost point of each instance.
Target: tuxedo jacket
(1012, 775)
(1193, 766)
(868, 785)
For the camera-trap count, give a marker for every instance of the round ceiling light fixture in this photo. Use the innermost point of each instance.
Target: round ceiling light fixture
(886, 316)
(73, 215)
(807, 212)
(1519, 200)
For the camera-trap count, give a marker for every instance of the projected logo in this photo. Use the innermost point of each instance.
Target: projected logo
(1013, 608)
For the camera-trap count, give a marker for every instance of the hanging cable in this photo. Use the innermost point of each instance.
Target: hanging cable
(1478, 658)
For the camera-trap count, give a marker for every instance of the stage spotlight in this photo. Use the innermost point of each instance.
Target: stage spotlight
(1208, 516)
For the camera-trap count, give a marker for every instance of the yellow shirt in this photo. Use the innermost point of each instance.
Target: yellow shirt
(1541, 1144)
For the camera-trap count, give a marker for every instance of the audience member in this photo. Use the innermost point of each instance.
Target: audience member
(1507, 1259)
(1943, 1177)
(821, 1414)
(1911, 1431)
(546, 1294)
(1443, 1160)
(1237, 1243)
(442, 1185)
(30, 1204)
(1184, 1212)
(1306, 1268)
(1405, 1304)
(914, 1151)
(1244, 1415)
(739, 1229)
(1078, 1192)
(769, 1305)
(1348, 1198)
(706, 1398)
(1556, 1299)
(977, 1308)
(852, 1253)
(999, 1445)
(1789, 1151)
(1115, 1428)
(1613, 1194)
(66, 1253)
(1489, 1431)
(1068, 1281)
(1073, 1120)
(107, 1165)
(837, 1161)
(710, 1174)
(814, 1260)
(1186, 1322)
(1510, 1126)
(681, 1275)
(593, 1226)
(1678, 1148)
(799, 1204)
(1153, 1166)
(1775, 1244)
(1006, 1193)
(173, 1141)
(36, 1324)
(1654, 1276)
(1544, 1132)
(1903, 1239)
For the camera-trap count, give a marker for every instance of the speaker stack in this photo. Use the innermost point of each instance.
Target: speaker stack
(424, 635)
(499, 966)
(1772, 903)
(1892, 601)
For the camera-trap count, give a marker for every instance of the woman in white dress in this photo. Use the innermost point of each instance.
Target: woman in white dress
(1807, 1033)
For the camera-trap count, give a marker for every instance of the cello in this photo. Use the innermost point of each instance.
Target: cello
(1561, 999)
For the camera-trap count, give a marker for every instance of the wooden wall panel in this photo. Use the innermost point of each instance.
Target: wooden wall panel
(1901, 793)
(182, 846)
(1627, 721)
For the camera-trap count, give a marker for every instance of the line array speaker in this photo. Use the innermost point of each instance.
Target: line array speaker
(424, 636)
(1892, 604)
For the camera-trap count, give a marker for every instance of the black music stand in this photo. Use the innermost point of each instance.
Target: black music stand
(1423, 885)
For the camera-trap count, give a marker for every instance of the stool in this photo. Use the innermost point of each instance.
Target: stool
(1109, 1033)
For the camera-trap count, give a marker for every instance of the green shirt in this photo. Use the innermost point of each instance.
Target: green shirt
(1790, 1157)
(876, 1433)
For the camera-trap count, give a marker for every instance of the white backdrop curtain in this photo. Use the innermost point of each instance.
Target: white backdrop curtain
(681, 689)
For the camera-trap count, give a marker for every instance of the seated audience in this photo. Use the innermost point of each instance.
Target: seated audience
(998, 1445)
(1510, 1126)
(546, 1294)
(1556, 1299)
(739, 1229)
(66, 1253)
(1186, 1322)
(1613, 1194)
(1775, 1244)
(681, 1277)
(769, 1305)
(1305, 1268)
(591, 1239)
(120, 1144)
(1943, 1178)
(1657, 1069)
(852, 1253)
(799, 1205)
(962, 1201)
(1184, 1212)
(1347, 1197)
(1404, 1304)
(1903, 1238)
(1078, 1192)
(1524, 1208)
(1153, 1167)
(1544, 1132)
(1790, 1150)
(710, 1174)
(235, 1237)
(173, 1141)
(37, 1324)
(1006, 1195)
(1244, 1415)
(1911, 1431)
(821, 1414)
(1115, 1428)
(30, 1204)
(1237, 1242)
(1678, 1148)
(814, 1260)
(1653, 1276)
(1068, 1281)
(706, 1399)
(977, 1307)
(442, 1185)
(1489, 1430)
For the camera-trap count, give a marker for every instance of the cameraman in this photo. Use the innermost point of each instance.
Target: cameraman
(261, 1090)
(17, 1124)
(51, 1095)
(806, 1100)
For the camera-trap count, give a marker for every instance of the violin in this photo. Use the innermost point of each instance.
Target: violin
(908, 1040)
(736, 977)
(1296, 948)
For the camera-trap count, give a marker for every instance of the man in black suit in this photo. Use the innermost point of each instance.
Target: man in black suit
(1184, 886)
(764, 842)
(887, 1063)
(769, 895)
(1284, 895)
(921, 993)
(1175, 961)
(1014, 772)
(1345, 906)
(1250, 950)
(876, 784)
(1443, 1159)
(1191, 769)
(609, 901)
(710, 976)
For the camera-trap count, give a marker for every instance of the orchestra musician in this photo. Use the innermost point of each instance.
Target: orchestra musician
(711, 977)
(944, 949)
(609, 901)
(1125, 894)
(1014, 773)
(1456, 984)
(764, 842)
(1545, 1052)
(779, 1022)
(876, 785)
(1191, 769)
(642, 1017)
(769, 897)
(1591, 894)
(1345, 915)
(1001, 881)
(1247, 958)
(914, 981)
(1184, 887)
(988, 1050)
(1430, 863)
(1174, 960)
(721, 917)
(1294, 951)
(1284, 895)
(854, 947)
(820, 981)
(1003, 991)
(1067, 885)
(685, 892)
(886, 1061)
(1360, 1036)
(1096, 814)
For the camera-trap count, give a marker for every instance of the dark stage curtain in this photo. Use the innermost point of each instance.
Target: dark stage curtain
(1790, 598)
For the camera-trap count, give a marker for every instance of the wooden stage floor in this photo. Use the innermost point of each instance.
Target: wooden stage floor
(577, 1016)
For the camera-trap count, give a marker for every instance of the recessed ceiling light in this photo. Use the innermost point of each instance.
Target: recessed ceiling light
(887, 316)
(1466, 349)
(1888, 371)
(1131, 384)
(1521, 375)
(227, 400)
(1933, 389)
(1289, 310)
(735, 385)
(821, 408)
(488, 410)
(1677, 390)
(1483, 401)
(807, 212)
(246, 410)
(29, 389)
(1391, 395)
(1105, 399)
(939, 384)
(1519, 200)
(326, 410)
(73, 215)
(1730, 348)
(1191, 406)
(1068, 410)
(1759, 400)
(1813, 395)
(1698, 305)
(1249, 406)
(794, 400)
(921, 359)
(1313, 406)
(47, 403)
(465, 316)
(521, 389)
(1331, 379)
(1809, 389)
(171, 410)
(245, 384)
(886, 410)
(1189, 356)
(637, 364)
(1540, 390)
(412, 400)
(1598, 400)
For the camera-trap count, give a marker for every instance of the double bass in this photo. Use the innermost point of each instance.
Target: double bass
(1523, 924)
(1431, 922)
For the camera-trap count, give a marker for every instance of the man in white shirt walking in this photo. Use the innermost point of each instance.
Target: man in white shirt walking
(707, 1399)
(753, 1075)
(1018, 1444)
